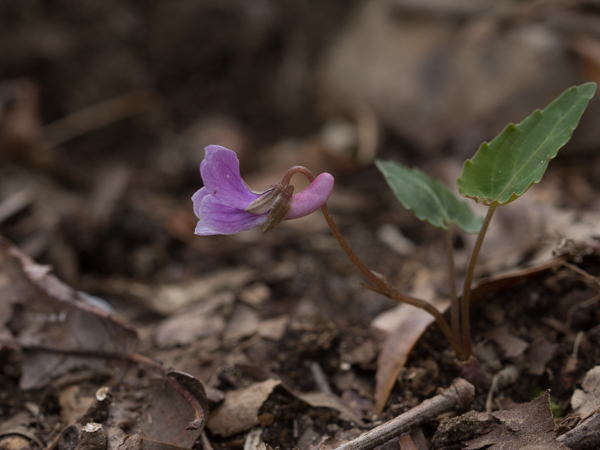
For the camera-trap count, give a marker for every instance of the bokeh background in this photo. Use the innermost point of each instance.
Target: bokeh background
(105, 108)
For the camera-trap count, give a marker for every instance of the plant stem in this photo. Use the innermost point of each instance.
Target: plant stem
(454, 304)
(380, 284)
(466, 299)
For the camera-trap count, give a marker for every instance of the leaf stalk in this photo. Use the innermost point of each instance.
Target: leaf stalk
(466, 298)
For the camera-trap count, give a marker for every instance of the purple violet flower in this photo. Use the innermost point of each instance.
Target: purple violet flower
(225, 205)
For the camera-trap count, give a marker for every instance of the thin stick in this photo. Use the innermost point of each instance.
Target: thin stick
(466, 299)
(454, 304)
(458, 396)
(584, 435)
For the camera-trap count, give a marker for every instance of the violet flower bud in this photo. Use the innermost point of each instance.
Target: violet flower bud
(225, 205)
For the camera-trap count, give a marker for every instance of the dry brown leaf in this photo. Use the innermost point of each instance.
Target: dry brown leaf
(200, 321)
(509, 343)
(395, 352)
(141, 442)
(530, 426)
(255, 294)
(406, 442)
(466, 426)
(503, 281)
(73, 403)
(587, 400)
(51, 315)
(239, 411)
(418, 439)
(409, 324)
(23, 427)
(243, 323)
(329, 400)
(273, 329)
(173, 298)
(539, 353)
(167, 416)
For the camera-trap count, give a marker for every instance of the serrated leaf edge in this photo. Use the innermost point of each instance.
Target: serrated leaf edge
(485, 145)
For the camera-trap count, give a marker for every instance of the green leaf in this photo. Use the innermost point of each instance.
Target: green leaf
(501, 171)
(430, 200)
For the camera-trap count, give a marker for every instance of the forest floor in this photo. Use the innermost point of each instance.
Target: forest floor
(113, 312)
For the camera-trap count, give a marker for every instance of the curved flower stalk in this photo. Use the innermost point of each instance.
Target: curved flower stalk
(226, 205)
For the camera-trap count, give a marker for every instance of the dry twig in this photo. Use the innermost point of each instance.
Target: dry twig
(457, 397)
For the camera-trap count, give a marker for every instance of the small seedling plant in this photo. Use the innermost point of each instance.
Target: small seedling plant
(499, 173)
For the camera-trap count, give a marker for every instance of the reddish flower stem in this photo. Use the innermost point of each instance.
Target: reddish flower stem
(380, 284)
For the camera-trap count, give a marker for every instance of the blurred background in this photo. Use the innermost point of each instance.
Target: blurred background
(106, 106)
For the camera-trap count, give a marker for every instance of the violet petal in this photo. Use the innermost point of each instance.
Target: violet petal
(203, 230)
(223, 219)
(197, 200)
(311, 198)
(220, 171)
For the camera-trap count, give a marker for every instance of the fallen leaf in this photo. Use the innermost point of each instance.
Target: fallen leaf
(53, 316)
(363, 354)
(23, 427)
(408, 324)
(587, 400)
(141, 442)
(173, 298)
(200, 321)
(417, 438)
(256, 294)
(167, 415)
(274, 329)
(509, 343)
(456, 429)
(73, 403)
(329, 400)
(539, 353)
(243, 323)
(530, 426)
(239, 410)
(91, 436)
(503, 281)
(395, 351)
(406, 442)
